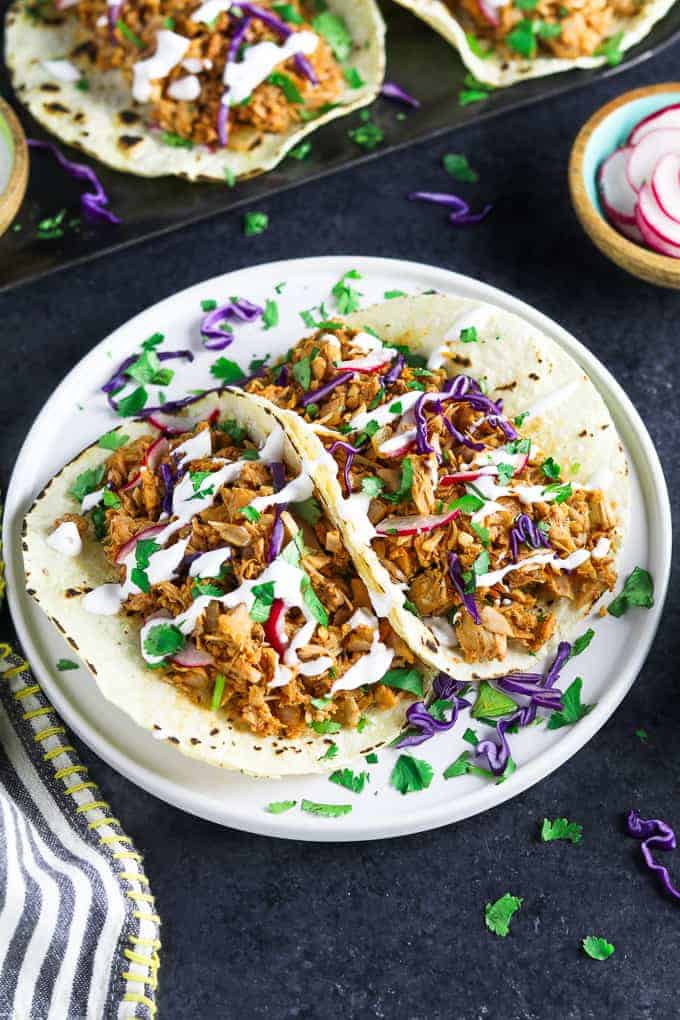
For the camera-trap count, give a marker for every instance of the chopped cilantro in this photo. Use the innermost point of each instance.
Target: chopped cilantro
(470, 737)
(218, 691)
(353, 77)
(459, 767)
(573, 710)
(362, 724)
(52, 227)
(112, 440)
(309, 510)
(129, 34)
(405, 483)
(255, 223)
(132, 404)
(520, 418)
(475, 45)
(468, 335)
(301, 151)
(232, 428)
(456, 164)
(229, 177)
(163, 639)
(561, 491)
(153, 341)
(491, 703)
(560, 828)
(332, 752)
(176, 141)
(87, 481)
(346, 296)
(581, 643)
(367, 135)
(287, 12)
(497, 916)
(389, 295)
(550, 469)
(522, 39)
(611, 49)
(147, 369)
(203, 586)
(313, 602)
(642, 736)
(302, 372)
(597, 948)
(262, 605)
(277, 807)
(350, 780)
(65, 664)
(287, 86)
(208, 305)
(372, 486)
(325, 726)
(325, 810)
(270, 316)
(405, 679)
(372, 758)
(410, 775)
(336, 33)
(638, 590)
(227, 371)
(110, 499)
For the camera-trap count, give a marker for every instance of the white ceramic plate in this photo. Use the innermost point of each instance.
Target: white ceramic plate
(77, 413)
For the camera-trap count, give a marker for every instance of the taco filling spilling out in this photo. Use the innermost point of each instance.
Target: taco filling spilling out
(485, 532)
(245, 598)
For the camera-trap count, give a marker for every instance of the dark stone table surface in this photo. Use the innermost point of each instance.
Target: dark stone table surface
(254, 927)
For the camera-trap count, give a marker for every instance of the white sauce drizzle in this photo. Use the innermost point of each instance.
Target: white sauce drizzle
(372, 665)
(477, 317)
(602, 547)
(208, 564)
(66, 539)
(316, 666)
(296, 491)
(570, 562)
(62, 70)
(196, 448)
(210, 10)
(170, 48)
(91, 500)
(382, 413)
(185, 89)
(240, 79)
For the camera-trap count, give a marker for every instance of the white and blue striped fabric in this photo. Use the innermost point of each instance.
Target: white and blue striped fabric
(78, 925)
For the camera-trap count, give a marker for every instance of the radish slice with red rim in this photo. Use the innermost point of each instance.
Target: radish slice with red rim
(643, 157)
(668, 117)
(128, 546)
(275, 627)
(373, 362)
(618, 197)
(654, 240)
(417, 524)
(190, 657)
(490, 12)
(665, 184)
(656, 219)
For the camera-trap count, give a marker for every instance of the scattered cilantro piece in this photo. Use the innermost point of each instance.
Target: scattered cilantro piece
(573, 709)
(456, 164)
(642, 736)
(262, 605)
(550, 469)
(467, 504)
(302, 372)
(581, 643)
(308, 509)
(350, 780)
(218, 691)
(362, 724)
(65, 664)
(611, 49)
(129, 34)
(153, 341)
(229, 177)
(459, 767)
(597, 948)
(110, 499)
(470, 737)
(491, 703)
(336, 33)
(638, 590)
(519, 418)
(560, 828)
(87, 481)
(475, 45)
(277, 807)
(132, 404)
(372, 486)
(353, 77)
(469, 335)
(372, 758)
(270, 316)
(287, 86)
(204, 586)
(325, 810)
(332, 752)
(208, 304)
(112, 440)
(227, 371)
(522, 39)
(255, 223)
(164, 639)
(405, 483)
(405, 679)
(389, 295)
(232, 428)
(51, 227)
(176, 141)
(325, 726)
(561, 491)
(313, 602)
(301, 151)
(287, 12)
(497, 916)
(367, 135)
(346, 296)
(410, 775)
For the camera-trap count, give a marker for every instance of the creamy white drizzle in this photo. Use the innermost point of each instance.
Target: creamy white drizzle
(367, 342)
(91, 500)
(272, 450)
(104, 600)
(195, 448)
(372, 665)
(170, 48)
(185, 89)
(354, 509)
(570, 562)
(62, 70)
(477, 317)
(316, 666)
(209, 10)
(601, 549)
(382, 413)
(208, 564)
(242, 77)
(398, 442)
(66, 539)
(296, 491)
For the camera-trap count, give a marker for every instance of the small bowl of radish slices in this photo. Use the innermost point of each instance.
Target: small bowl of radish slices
(624, 177)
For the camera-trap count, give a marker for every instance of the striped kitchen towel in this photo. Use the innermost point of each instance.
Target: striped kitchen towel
(78, 925)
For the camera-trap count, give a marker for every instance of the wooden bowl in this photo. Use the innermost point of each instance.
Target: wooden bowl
(13, 150)
(603, 133)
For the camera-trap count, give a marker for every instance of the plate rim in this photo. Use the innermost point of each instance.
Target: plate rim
(408, 821)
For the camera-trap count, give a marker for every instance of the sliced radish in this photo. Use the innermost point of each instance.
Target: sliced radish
(618, 197)
(668, 117)
(490, 12)
(656, 219)
(373, 362)
(177, 424)
(654, 240)
(275, 629)
(130, 484)
(128, 546)
(398, 444)
(643, 157)
(467, 476)
(631, 231)
(666, 185)
(190, 657)
(155, 452)
(417, 524)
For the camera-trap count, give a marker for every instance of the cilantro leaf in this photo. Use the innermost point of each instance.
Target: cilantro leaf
(287, 86)
(132, 404)
(638, 590)
(270, 316)
(403, 493)
(353, 77)
(491, 703)
(581, 643)
(597, 948)
(325, 726)
(350, 780)
(367, 135)
(313, 602)
(332, 752)
(346, 296)
(309, 510)
(456, 164)
(65, 664)
(301, 151)
(372, 486)
(302, 372)
(497, 916)
(325, 810)
(550, 469)
(468, 335)
(277, 807)
(560, 828)
(611, 49)
(164, 639)
(255, 223)
(112, 440)
(87, 481)
(410, 775)
(336, 33)
(264, 598)
(573, 709)
(404, 679)
(459, 767)
(227, 371)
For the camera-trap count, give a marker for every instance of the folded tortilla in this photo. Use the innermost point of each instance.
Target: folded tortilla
(105, 122)
(110, 645)
(499, 70)
(569, 421)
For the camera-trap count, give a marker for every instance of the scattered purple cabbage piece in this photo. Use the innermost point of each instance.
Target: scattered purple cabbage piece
(445, 688)
(351, 452)
(312, 396)
(168, 488)
(172, 406)
(655, 834)
(216, 338)
(93, 203)
(276, 538)
(525, 530)
(283, 377)
(304, 68)
(120, 377)
(464, 219)
(397, 94)
(456, 575)
(395, 370)
(461, 215)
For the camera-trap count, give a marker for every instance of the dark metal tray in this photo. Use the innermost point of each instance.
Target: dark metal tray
(418, 59)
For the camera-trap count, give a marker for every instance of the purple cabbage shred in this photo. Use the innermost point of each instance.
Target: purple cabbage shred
(655, 834)
(444, 688)
(395, 370)
(120, 377)
(276, 538)
(525, 530)
(93, 203)
(313, 396)
(456, 575)
(391, 90)
(351, 452)
(216, 338)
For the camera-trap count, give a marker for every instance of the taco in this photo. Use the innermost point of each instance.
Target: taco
(503, 43)
(474, 470)
(213, 599)
(200, 90)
